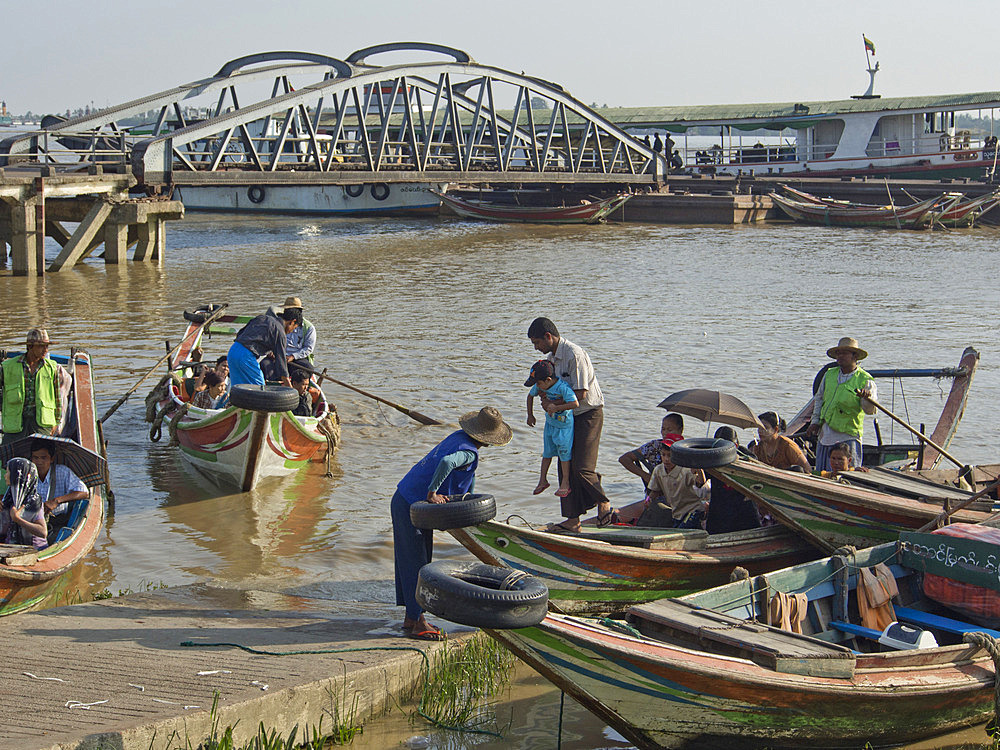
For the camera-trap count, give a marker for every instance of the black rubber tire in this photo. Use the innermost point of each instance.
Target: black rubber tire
(269, 398)
(256, 194)
(818, 380)
(703, 453)
(460, 511)
(201, 314)
(380, 191)
(354, 190)
(482, 596)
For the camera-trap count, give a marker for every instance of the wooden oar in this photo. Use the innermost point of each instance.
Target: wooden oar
(215, 314)
(415, 415)
(914, 430)
(943, 516)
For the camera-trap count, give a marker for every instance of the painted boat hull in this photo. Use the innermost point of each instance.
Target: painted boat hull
(47, 582)
(661, 694)
(588, 213)
(311, 199)
(592, 576)
(242, 447)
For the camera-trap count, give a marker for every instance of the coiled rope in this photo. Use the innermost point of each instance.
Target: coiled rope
(991, 646)
(172, 425)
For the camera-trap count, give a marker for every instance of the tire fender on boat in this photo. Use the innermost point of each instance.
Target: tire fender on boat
(703, 453)
(255, 193)
(482, 596)
(354, 190)
(380, 191)
(268, 398)
(460, 511)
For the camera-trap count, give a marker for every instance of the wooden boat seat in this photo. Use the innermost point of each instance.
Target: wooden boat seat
(18, 554)
(647, 538)
(938, 622)
(769, 647)
(858, 630)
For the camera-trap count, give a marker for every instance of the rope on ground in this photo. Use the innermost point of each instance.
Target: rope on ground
(992, 647)
(172, 425)
(426, 669)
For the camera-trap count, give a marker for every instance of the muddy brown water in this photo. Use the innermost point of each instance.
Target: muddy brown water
(433, 315)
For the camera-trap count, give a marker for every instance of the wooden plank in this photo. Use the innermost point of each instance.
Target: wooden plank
(770, 647)
(937, 622)
(81, 239)
(18, 554)
(858, 630)
(896, 483)
(679, 539)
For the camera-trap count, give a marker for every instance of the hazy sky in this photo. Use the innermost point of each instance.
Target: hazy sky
(57, 54)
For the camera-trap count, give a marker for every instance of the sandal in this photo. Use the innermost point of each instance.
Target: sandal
(609, 518)
(559, 528)
(430, 634)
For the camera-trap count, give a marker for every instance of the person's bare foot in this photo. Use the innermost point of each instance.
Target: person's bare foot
(542, 486)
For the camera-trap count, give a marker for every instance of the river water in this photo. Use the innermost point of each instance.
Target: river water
(432, 314)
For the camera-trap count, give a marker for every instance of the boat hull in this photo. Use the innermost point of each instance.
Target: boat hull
(592, 576)
(241, 447)
(377, 198)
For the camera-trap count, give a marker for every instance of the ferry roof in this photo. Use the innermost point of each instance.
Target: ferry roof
(788, 114)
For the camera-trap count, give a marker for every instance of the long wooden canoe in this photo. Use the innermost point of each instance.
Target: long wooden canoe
(585, 213)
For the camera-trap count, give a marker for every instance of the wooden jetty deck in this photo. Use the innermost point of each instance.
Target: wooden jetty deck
(113, 674)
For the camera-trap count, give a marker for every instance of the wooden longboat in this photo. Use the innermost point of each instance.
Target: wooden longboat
(585, 213)
(234, 445)
(30, 579)
(609, 569)
(915, 216)
(705, 671)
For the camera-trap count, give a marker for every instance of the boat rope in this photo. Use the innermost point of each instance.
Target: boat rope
(426, 673)
(161, 392)
(172, 425)
(739, 574)
(991, 646)
(562, 704)
(621, 626)
(330, 427)
(156, 429)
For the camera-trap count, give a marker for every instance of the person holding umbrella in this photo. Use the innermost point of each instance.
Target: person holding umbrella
(57, 485)
(449, 469)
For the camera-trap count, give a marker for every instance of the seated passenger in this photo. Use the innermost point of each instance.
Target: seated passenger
(57, 485)
(775, 449)
(210, 396)
(841, 461)
(22, 517)
(728, 509)
(642, 460)
(676, 497)
(310, 397)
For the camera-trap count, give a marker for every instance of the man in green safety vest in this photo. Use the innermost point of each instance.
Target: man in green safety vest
(30, 390)
(838, 407)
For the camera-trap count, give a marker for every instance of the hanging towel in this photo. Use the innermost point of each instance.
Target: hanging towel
(787, 611)
(876, 587)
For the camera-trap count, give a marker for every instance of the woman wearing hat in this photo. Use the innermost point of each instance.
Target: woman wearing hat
(449, 469)
(838, 407)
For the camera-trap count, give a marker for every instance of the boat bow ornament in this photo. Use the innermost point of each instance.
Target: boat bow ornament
(352, 122)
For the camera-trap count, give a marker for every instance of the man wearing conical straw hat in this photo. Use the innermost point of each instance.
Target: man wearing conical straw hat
(838, 409)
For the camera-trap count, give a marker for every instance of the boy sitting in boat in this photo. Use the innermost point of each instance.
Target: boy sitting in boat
(211, 395)
(557, 439)
(841, 461)
(676, 495)
(310, 397)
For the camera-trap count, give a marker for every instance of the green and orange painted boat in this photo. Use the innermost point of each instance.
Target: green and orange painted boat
(30, 579)
(708, 671)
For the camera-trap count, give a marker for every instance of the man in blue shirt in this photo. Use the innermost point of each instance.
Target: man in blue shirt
(265, 335)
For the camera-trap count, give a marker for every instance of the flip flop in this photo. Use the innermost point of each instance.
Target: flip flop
(431, 634)
(558, 528)
(562, 493)
(609, 518)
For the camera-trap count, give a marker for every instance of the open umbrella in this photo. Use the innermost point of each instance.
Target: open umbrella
(710, 406)
(90, 467)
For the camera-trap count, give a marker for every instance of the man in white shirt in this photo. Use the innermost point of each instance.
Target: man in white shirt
(572, 364)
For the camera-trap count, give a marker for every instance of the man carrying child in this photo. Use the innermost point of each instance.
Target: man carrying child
(557, 440)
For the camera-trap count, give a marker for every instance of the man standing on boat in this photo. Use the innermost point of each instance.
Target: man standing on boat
(266, 334)
(838, 407)
(573, 365)
(30, 386)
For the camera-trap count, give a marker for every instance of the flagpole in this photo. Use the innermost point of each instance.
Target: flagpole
(864, 43)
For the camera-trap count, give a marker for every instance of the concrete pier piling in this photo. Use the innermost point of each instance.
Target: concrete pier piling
(34, 204)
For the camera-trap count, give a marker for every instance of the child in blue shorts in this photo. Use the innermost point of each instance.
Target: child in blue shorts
(558, 436)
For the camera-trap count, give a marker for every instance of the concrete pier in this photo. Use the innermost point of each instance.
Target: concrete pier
(113, 674)
(35, 202)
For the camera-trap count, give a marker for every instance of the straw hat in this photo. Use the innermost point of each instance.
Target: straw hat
(846, 344)
(293, 302)
(37, 336)
(486, 426)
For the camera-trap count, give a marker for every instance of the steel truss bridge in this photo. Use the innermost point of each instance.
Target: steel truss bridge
(350, 122)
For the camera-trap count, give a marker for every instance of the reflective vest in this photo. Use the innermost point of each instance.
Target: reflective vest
(47, 406)
(841, 405)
